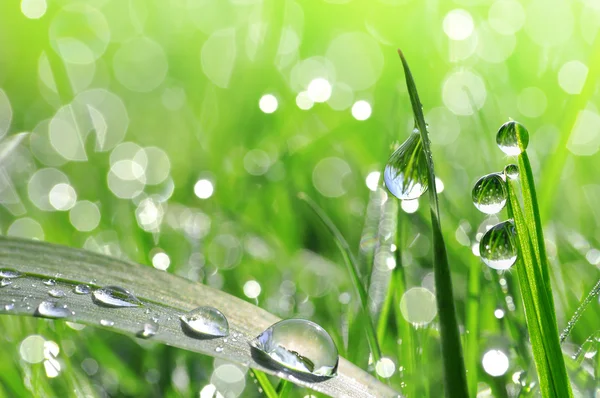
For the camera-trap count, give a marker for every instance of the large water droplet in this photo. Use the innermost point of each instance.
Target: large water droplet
(498, 246)
(300, 346)
(52, 309)
(490, 193)
(205, 322)
(512, 138)
(82, 289)
(9, 273)
(406, 172)
(115, 297)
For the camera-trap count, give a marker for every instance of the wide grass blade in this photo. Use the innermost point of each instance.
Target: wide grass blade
(455, 378)
(541, 323)
(163, 294)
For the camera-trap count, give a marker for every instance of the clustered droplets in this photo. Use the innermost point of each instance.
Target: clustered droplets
(498, 246)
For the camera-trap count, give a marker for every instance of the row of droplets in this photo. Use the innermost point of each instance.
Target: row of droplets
(406, 176)
(296, 345)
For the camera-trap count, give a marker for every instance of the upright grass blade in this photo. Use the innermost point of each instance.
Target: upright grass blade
(163, 294)
(265, 384)
(455, 378)
(472, 352)
(352, 266)
(541, 323)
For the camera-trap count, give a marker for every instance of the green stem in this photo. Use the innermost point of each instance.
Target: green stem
(472, 353)
(455, 378)
(265, 384)
(283, 388)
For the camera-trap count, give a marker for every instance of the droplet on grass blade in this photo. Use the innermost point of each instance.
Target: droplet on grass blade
(299, 346)
(205, 322)
(82, 289)
(490, 193)
(512, 138)
(115, 297)
(149, 330)
(9, 273)
(56, 293)
(512, 171)
(498, 247)
(52, 309)
(406, 173)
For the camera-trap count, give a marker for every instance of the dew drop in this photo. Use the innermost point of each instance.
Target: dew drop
(219, 349)
(300, 346)
(9, 306)
(82, 289)
(498, 247)
(512, 171)
(9, 273)
(490, 193)
(5, 282)
(406, 173)
(205, 322)
(106, 322)
(149, 330)
(115, 297)
(512, 138)
(57, 293)
(52, 309)
(50, 282)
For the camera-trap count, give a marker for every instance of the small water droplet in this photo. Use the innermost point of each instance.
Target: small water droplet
(82, 289)
(300, 346)
(406, 174)
(498, 246)
(512, 171)
(56, 293)
(5, 282)
(219, 349)
(9, 273)
(107, 323)
(115, 297)
(50, 282)
(149, 330)
(205, 322)
(52, 309)
(9, 306)
(490, 193)
(512, 138)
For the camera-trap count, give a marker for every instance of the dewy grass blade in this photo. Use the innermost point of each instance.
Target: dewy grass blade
(538, 311)
(162, 293)
(455, 378)
(579, 311)
(352, 266)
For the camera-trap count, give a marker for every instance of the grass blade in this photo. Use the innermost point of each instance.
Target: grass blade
(162, 293)
(542, 328)
(352, 266)
(455, 378)
(265, 384)
(579, 311)
(472, 352)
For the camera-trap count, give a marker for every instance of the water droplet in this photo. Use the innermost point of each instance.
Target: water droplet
(52, 309)
(82, 289)
(115, 297)
(406, 172)
(107, 323)
(56, 293)
(512, 138)
(5, 282)
(9, 306)
(512, 171)
(149, 330)
(498, 246)
(50, 282)
(490, 193)
(205, 322)
(219, 349)
(9, 273)
(300, 346)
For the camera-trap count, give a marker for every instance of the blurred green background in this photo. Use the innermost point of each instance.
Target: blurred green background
(178, 133)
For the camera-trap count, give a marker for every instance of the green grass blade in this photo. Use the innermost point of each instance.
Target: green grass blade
(265, 384)
(164, 294)
(579, 311)
(455, 378)
(472, 351)
(283, 388)
(352, 266)
(542, 328)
